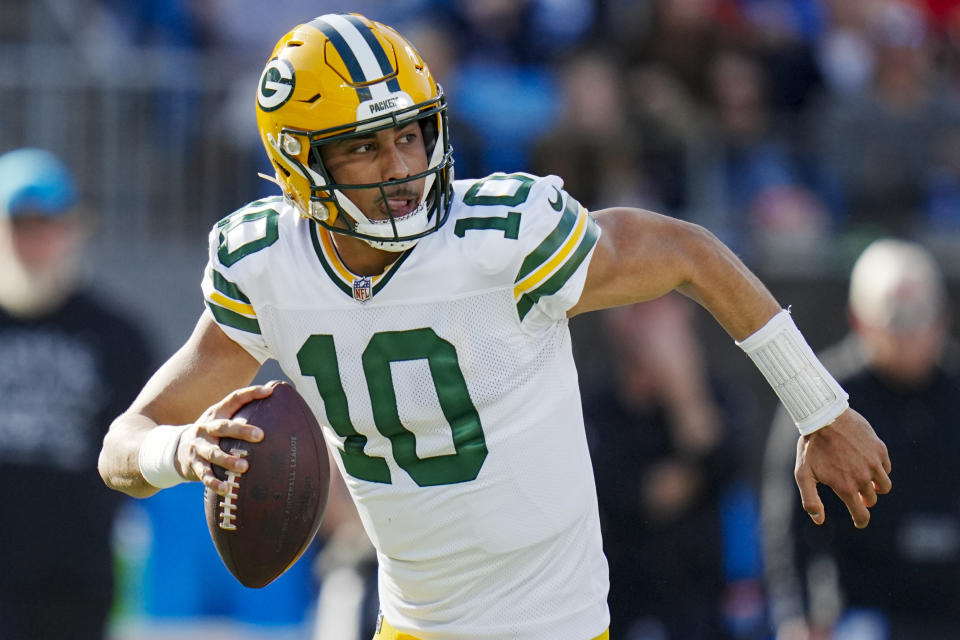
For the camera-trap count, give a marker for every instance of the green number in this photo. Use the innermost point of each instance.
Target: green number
(227, 225)
(458, 409)
(519, 195)
(509, 224)
(496, 194)
(317, 358)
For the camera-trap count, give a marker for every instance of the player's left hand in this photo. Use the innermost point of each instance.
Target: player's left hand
(847, 456)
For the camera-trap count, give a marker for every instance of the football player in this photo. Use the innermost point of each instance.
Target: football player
(425, 321)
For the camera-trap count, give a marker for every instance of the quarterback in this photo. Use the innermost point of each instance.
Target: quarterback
(424, 319)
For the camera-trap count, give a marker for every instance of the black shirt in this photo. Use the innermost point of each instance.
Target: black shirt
(63, 378)
(906, 563)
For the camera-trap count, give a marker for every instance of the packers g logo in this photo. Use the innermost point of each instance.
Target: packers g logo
(276, 85)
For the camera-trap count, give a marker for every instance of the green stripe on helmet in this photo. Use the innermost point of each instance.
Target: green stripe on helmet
(357, 76)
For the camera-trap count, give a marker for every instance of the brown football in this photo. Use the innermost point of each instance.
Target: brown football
(273, 511)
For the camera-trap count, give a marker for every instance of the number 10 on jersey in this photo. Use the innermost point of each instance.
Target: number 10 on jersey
(318, 359)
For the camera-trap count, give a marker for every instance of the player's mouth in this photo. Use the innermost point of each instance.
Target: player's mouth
(399, 204)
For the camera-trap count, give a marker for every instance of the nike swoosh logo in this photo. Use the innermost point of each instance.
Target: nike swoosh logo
(558, 203)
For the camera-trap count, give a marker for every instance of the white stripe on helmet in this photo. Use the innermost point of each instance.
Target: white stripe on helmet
(364, 54)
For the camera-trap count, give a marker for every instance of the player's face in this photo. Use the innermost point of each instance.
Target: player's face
(389, 154)
(908, 356)
(39, 242)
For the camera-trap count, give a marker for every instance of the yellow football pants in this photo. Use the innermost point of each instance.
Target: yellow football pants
(387, 632)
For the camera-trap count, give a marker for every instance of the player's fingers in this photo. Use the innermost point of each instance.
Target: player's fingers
(885, 459)
(868, 495)
(881, 480)
(202, 470)
(230, 461)
(809, 496)
(207, 451)
(232, 402)
(211, 482)
(859, 513)
(224, 428)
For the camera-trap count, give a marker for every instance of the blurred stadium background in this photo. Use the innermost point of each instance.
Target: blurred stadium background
(797, 130)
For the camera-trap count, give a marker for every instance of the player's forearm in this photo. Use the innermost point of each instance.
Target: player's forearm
(719, 281)
(119, 458)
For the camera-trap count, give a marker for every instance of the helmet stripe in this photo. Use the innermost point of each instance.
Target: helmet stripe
(346, 53)
(364, 56)
(386, 68)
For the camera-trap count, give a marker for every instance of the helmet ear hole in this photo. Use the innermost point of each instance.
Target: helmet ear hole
(314, 161)
(281, 169)
(428, 128)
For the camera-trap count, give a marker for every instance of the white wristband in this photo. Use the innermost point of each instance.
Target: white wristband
(157, 456)
(812, 397)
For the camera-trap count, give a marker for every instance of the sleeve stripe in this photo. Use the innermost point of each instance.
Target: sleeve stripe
(549, 245)
(233, 305)
(558, 279)
(234, 320)
(534, 280)
(226, 287)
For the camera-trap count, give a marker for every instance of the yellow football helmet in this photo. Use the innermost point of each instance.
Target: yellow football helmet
(339, 76)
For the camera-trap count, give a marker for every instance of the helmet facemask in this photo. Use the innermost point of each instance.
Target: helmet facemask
(329, 199)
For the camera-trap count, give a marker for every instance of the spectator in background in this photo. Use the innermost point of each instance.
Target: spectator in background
(844, 51)
(592, 145)
(755, 184)
(880, 146)
(622, 134)
(664, 455)
(899, 579)
(68, 362)
(679, 37)
(505, 84)
(783, 33)
(516, 32)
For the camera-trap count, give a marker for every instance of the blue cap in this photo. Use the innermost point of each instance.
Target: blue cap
(36, 182)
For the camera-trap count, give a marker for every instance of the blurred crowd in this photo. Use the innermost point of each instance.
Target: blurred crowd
(797, 130)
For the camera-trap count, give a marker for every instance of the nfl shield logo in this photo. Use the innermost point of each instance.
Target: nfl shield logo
(362, 289)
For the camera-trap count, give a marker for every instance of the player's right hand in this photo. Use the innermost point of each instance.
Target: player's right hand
(199, 446)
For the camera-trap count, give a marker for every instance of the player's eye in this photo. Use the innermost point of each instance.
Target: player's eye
(409, 133)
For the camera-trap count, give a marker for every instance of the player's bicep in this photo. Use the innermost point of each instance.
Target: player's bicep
(641, 255)
(206, 368)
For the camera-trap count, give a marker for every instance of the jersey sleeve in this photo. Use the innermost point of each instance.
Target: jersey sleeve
(558, 237)
(223, 289)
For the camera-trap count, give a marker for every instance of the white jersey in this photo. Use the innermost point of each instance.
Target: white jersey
(447, 386)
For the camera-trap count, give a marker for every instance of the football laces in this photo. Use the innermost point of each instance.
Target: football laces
(228, 507)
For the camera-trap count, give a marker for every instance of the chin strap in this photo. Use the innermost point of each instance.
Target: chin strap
(272, 179)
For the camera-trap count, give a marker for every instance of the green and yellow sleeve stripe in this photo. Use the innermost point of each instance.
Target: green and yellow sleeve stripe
(230, 306)
(547, 268)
